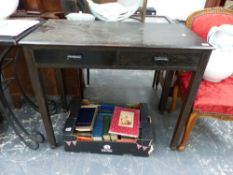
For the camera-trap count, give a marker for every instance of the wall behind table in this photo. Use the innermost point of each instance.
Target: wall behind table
(181, 9)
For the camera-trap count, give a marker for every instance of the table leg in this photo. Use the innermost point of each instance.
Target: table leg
(143, 10)
(188, 101)
(156, 74)
(88, 76)
(165, 91)
(40, 97)
(81, 83)
(61, 88)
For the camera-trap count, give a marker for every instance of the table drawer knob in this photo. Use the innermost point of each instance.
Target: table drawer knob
(74, 57)
(161, 60)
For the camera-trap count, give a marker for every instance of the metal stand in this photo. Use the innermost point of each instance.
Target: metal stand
(31, 140)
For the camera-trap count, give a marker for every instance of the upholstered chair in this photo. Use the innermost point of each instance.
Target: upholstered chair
(214, 100)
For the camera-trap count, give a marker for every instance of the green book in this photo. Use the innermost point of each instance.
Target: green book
(106, 125)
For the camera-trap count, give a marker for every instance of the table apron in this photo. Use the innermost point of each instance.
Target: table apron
(116, 59)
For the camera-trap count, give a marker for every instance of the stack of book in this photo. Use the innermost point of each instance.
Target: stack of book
(107, 123)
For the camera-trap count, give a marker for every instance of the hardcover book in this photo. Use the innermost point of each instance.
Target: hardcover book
(106, 108)
(86, 118)
(82, 133)
(106, 124)
(84, 138)
(113, 137)
(98, 128)
(125, 122)
(127, 139)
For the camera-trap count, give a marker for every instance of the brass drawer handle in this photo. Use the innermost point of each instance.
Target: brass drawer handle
(161, 60)
(74, 57)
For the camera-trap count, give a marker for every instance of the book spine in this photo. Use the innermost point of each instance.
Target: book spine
(98, 128)
(106, 124)
(113, 137)
(83, 138)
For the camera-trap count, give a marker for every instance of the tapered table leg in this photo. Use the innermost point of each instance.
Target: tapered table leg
(188, 101)
(61, 88)
(88, 76)
(165, 91)
(40, 97)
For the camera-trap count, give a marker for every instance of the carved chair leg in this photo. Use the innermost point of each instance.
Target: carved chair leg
(188, 128)
(175, 93)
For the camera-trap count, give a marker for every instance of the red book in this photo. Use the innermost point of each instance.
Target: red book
(125, 122)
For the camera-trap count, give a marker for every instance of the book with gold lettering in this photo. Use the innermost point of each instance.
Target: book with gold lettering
(125, 122)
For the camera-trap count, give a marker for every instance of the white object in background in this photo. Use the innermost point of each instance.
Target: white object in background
(14, 27)
(7, 7)
(221, 37)
(114, 11)
(176, 9)
(80, 17)
(220, 65)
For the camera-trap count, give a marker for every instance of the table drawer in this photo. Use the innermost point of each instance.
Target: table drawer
(74, 58)
(158, 60)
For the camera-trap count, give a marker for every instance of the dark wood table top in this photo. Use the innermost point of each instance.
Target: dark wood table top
(114, 34)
